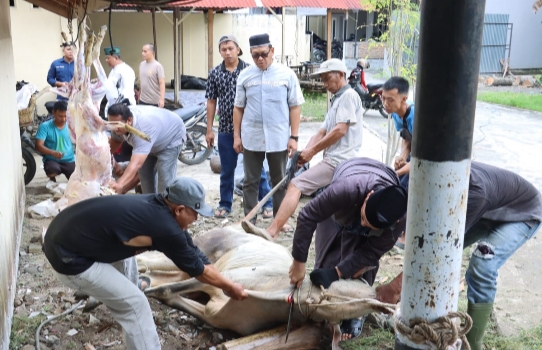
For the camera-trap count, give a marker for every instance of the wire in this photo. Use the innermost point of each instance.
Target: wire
(82, 20)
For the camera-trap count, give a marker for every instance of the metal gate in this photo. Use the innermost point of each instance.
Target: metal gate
(496, 42)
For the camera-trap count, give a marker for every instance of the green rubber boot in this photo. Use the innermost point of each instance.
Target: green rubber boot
(480, 316)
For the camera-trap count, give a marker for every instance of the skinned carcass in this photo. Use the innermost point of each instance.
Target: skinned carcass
(262, 268)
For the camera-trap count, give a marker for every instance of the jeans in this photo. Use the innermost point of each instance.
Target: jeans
(497, 241)
(128, 305)
(159, 170)
(404, 180)
(228, 163)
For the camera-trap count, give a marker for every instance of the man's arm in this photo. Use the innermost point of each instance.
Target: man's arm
(40, 147)
(211, 110)
(324, 142)
(295, 116)
(136, 162)
(162, 83)
(237, 119)
(51, 76)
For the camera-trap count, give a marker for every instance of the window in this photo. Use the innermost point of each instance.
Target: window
(345, 22)
(333, 29)
(12, 3)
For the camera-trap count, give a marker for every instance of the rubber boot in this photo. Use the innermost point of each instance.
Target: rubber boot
(480, 316)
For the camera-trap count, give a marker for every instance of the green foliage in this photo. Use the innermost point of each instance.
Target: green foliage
(315, 105)
(402, 19)
(532, 102)
(23, 329)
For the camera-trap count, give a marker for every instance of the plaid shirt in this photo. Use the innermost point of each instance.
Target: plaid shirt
(221, 85)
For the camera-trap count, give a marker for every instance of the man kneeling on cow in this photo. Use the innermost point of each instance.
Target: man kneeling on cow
(357, 219)
(87, 242)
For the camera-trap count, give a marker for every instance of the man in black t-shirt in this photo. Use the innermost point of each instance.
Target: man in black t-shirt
(85, 238)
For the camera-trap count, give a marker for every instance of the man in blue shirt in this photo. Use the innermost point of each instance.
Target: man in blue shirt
(61, 70)
(53, 141)
(396, 103)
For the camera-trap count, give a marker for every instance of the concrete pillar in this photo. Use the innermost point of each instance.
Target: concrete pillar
(12, 189)
(450, 46)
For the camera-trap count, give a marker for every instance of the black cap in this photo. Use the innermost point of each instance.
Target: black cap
(259, 40)
(385, 206)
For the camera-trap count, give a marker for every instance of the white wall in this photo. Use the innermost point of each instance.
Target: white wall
(526, 48)
(12, 189)
(36, 41)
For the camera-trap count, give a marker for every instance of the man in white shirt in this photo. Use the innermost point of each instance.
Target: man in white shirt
(121, 79)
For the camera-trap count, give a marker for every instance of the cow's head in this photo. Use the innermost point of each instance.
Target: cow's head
(344, 299)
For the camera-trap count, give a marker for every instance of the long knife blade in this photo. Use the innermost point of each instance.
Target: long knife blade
(291, 302)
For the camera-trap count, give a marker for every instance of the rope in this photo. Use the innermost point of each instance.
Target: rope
(441, 333)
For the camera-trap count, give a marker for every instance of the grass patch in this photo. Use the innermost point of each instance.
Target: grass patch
(23, 329)
(532, 102)
(315, 105)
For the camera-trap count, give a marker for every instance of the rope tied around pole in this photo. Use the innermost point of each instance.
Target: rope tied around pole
(441, 333)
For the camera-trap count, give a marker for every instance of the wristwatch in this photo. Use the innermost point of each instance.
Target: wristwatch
(296, 138)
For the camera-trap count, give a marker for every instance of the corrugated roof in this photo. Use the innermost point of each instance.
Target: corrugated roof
(334, 5)
(215, 4)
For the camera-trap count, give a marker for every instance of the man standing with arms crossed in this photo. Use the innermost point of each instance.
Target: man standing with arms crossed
(221, 85)
(151, 78)
(339, 137)
(266, 116)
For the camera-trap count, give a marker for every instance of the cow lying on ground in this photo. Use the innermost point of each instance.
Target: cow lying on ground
(261, 267)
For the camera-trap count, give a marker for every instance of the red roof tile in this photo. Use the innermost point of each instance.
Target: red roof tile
(331, 4)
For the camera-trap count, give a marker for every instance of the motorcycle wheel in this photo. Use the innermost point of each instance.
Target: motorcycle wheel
(29, 166)
(318, 56)
(195, 149)
(383, 112)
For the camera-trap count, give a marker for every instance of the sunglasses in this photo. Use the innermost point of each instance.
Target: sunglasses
(257, 56)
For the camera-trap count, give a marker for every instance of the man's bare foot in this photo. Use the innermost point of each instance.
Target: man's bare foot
(251, 228)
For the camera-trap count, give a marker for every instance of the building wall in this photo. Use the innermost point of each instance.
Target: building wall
(526, 48)
(12, 189)
(131, 30)
(36, 41)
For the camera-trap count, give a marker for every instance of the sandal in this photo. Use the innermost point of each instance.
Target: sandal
(287, 228)
(267, 213)
(353, 327)
(145, 279)
(220, 210)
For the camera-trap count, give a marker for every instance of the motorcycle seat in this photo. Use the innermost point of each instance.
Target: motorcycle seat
(372, 87)
(49, 105)
(187, 112)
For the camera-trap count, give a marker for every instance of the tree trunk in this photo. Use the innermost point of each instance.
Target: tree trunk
(492, 81)
(305, 338)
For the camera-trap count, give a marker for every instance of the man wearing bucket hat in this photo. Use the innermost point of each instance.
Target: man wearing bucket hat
(357, 220)
(121, 79)
(221, 86)
(339, 137)
(85, 239)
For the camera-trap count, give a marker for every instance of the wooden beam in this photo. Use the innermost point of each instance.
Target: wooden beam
(328, 55)
(153, 11)
(210, 45)
(176, 75)
(58, 8)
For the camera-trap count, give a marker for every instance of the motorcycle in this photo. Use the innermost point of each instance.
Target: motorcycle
(195, 148)
(319, 49)
(371, 97)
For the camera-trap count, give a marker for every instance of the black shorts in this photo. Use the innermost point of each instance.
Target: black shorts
(52, 167)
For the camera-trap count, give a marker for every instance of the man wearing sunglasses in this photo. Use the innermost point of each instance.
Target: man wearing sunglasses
(357, 219)
(265, 119)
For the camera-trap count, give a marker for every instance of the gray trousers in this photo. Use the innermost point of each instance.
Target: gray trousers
(159, 170)
(253, 163)
(127, 304)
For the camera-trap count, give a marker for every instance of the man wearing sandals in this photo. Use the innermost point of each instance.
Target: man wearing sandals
(87, 241)
(221, 86)
(339, 137)
(357, 219)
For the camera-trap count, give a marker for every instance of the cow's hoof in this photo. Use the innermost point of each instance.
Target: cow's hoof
(91, 304)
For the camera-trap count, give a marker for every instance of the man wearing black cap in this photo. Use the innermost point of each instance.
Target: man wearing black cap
(265, 119)
(357, 219)
(61, 70)
(85, 239)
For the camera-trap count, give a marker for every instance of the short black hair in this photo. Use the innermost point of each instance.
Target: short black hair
(60, 106)
(399, 83)
(120, 109)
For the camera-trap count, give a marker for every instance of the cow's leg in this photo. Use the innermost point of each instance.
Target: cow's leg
(165, 291)
(186, 305)
(336, 337)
